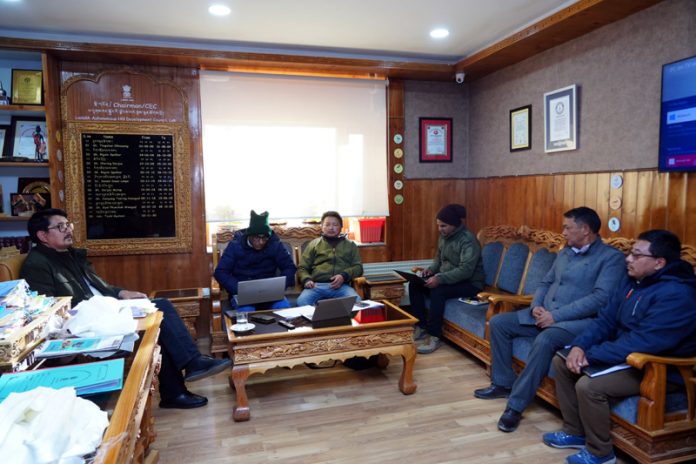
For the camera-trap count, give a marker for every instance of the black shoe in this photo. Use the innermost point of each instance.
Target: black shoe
(186, 400)
(509, 421)
(205, 366)
(491, 392)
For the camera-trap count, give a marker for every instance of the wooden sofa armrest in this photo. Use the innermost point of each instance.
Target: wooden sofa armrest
(498, 304)
(514, 300)
(653, 387)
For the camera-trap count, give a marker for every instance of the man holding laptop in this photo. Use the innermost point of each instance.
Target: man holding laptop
(256, 253)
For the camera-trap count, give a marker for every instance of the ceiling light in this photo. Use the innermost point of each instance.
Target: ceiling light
(219, 10)
(439, 33)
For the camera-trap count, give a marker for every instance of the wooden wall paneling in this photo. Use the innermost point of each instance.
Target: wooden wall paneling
(51, 83)
(601, 183)
(396, 224)
(676, 203)
(644, 202)
(658, 210)
(690, 211)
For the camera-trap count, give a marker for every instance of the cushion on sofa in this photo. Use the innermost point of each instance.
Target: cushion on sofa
(627, 408)
(470, 317)
(490, 255)
(539, 266)
(512, 267)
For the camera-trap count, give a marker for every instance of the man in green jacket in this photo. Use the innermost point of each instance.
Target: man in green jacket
(329, 263)
(457, 271)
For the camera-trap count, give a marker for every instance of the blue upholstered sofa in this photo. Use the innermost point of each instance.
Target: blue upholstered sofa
(654, 427)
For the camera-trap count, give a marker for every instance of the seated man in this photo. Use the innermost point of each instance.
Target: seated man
(457, 271)
(255, 253)
(575, 288)
(329, 263)
(652, 312)
(53, 267)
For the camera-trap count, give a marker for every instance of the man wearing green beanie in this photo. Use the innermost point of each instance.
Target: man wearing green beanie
(255, 253)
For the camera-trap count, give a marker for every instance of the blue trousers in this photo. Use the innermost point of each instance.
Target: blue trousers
(506, 327)
(178, 349)
(322, 291)
(431, 319)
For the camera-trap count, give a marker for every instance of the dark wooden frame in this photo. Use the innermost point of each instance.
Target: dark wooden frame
(424, 124)
(521, 109)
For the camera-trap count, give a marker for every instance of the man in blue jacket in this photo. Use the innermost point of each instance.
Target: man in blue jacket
(652, 312)
(255, 253)
(576, 287)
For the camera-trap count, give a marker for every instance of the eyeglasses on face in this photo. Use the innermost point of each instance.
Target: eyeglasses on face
(637, 255)
(63, 226)
(260, 238)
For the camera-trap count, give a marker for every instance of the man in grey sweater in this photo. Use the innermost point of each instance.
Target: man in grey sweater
(578, 284)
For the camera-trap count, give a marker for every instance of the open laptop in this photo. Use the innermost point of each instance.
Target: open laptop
(333, 312)
(411, 277)
(251, 292)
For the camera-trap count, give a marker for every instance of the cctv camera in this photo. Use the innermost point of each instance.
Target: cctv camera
(459, 77)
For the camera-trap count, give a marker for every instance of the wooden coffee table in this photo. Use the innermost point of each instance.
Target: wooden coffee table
(272, 345)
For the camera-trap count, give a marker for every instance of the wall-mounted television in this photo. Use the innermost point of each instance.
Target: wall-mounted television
(678, 116)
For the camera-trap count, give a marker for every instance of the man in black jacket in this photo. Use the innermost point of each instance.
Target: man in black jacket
(55, 268)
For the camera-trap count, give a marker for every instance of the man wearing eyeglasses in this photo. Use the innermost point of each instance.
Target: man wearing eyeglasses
(652, 312)
(55, 268)
(255, 253)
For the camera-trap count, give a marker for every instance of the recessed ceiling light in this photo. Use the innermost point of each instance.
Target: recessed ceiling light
(439, 33)
(219, 10)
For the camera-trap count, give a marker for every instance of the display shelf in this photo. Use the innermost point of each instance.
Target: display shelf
(14, 218)
(23, 108)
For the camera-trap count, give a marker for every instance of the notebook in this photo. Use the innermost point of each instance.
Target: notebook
(251, 292)
(333, 312)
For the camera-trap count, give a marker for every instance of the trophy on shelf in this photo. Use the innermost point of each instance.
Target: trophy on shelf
(3, 96)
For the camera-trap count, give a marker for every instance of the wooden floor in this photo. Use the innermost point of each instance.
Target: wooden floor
(343, 416)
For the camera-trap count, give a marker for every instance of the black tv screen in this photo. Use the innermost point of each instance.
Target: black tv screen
(678, 116)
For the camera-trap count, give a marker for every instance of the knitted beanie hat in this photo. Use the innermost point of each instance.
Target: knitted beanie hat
(258, 224)
(452, 214)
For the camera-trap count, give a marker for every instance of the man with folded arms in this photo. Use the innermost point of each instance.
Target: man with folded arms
(652, 312)
(55, 268)
(578, 284)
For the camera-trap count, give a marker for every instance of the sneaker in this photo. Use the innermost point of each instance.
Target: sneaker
(585, 457)
(509, 421)
(563, 440)
(419, 333)
(429, 345)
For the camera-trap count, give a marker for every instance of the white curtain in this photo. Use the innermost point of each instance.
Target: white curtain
(293, 146)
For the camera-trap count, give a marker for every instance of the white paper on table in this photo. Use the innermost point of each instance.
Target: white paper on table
(101, 316)
(292, 313)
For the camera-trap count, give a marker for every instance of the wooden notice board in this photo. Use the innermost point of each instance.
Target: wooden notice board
(127, 164)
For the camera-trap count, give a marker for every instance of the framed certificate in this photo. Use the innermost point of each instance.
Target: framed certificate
(435, 140)
(27, 87)
(560, 120)
(521, 128)
(29, 138)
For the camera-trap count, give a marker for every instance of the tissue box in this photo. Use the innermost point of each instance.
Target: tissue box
(367, 315)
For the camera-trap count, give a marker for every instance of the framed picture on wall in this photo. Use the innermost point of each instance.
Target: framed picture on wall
(560, 119)
(4, 137)
(29, 138)
(521, 128)
(435, 140)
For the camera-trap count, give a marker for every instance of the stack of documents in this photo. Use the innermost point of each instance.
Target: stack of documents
(14, 293)
(88, 378)
(73, 346)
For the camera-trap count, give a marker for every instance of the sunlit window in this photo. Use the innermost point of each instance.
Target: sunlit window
(293, 146)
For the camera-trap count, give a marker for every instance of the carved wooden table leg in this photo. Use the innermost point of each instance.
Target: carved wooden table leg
(239, 375)
(406, 384)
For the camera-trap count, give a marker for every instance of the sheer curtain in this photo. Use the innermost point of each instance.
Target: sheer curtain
(293, 146)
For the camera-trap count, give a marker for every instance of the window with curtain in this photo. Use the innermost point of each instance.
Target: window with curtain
(293, 146)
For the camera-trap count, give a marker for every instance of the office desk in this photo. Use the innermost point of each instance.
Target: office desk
(131, 426)
(274, 346)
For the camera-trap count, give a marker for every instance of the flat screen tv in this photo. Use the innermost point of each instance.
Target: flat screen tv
(678, 116)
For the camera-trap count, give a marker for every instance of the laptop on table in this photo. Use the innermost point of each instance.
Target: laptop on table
(257, 291)
(333, 312)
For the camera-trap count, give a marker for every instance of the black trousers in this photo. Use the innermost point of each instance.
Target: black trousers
(431, 319)
(178, 349)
